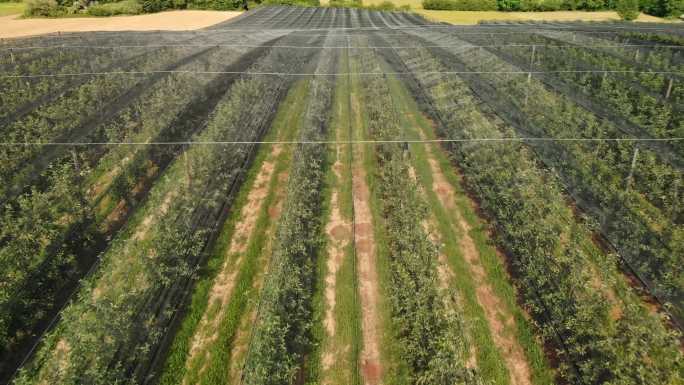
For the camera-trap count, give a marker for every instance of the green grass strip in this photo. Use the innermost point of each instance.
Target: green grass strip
(490, 362)
(175, 367)
(395, 370)
(346, 341)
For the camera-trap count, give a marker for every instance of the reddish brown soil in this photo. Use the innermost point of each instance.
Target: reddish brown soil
(501, 323)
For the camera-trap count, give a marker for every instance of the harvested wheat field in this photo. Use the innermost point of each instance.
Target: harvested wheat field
(13, 26)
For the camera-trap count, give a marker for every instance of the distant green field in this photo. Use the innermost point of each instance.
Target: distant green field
(11, 8)
(414, 4)
(474, 17)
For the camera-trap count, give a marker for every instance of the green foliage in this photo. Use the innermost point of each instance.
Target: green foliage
(508, 5)
(283, 332)
(664, 38)
(663, 8)
(77, 236)
(461, 5)
(540, 5)
(207, 4)
(305, 3)
(126, 7)
(345, 3)
(178, 365)
(155, 5)
(46, 8)
(628, 9)
(643, 222)
(40, 223)
(517, 5)
(156, 255)
(430, 334)
(383, 6)
(57, 8)
(551, 251)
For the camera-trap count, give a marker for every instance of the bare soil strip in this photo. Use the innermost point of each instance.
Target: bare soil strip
(445, 274)
(287, 123)
(339, 232)
(364, 243)
(501, 323)
(222, 290)
(242, 337)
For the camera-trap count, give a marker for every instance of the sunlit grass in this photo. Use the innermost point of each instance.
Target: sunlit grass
(474, 17)
(11, 9)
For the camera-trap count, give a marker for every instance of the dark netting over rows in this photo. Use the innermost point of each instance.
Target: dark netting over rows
(628, 191)
(594, 107)
(582, 105)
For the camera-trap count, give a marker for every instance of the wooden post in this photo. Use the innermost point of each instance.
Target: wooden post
(676, 197)
(527, 90)
(534, 49)
(187, 166)
(481, 60)
(636, 55)
(11, 55)
(631, 170)
(74, 156)
(669, 89)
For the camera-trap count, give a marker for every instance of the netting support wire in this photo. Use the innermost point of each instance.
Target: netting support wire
(250, 73)
(336, 142)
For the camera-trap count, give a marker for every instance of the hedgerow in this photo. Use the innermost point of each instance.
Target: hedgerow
(461, 5)
(662, 8)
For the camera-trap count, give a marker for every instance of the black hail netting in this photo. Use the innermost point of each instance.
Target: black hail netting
(598, 108)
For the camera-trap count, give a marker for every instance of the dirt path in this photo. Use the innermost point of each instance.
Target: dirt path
(364, 243)
(243, 334)
(445, 273)
(11, 26)
(222, 289)
(339, 232)
(501, 323)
